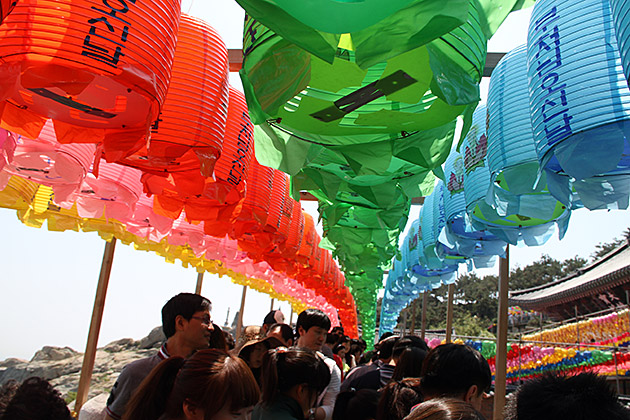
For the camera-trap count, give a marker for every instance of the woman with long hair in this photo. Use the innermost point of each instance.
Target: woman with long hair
(397, 399)
(291, 381)
(209, 385)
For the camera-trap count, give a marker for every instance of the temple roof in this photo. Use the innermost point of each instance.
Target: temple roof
(605, 274)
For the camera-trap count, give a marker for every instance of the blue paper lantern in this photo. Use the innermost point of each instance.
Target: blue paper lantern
(519, 205)
(580, 101)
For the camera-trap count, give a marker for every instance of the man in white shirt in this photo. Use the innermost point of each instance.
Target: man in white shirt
(311, 327)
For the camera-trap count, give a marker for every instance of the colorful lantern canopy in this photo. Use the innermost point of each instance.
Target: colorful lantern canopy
(99, 69)
(520, 205)
(188, 134)
(580, 101)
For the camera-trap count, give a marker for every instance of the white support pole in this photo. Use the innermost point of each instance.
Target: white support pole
(95, 326)
(502, 327)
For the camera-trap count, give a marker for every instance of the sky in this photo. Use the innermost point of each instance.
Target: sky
(49, 279)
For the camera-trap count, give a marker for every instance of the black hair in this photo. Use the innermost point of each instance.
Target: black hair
(338, 330)
(553, 396)
(34, 399)
(184, 304)
(385, 336)
(409, 364)
(406, 342)
(312, 318)
(385, 347)
(285, 368)
(449, 370)
(332, 339)
(356, 405)
(338, 348)
(285, 331)
(270, 318)
(397, 399)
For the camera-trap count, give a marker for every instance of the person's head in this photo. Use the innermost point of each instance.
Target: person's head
(457, 371)
(282, 332)
(34, 399)
(250, 333)
(340, 350)
(409, 364)
(356, 350)
(345, 341)
(385, 348)
(188, 316)
(445, 409)
(311, 327)
(209, 385)
(406, 342)
(553, 396)
(331, 340)
(229, 340)
(356, 405)
(397, 399)
(297, 373)
(338, 330)
(274, 317)
(217, 339)
(252, 353)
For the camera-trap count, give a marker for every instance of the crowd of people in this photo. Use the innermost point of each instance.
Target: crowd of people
(276, 372)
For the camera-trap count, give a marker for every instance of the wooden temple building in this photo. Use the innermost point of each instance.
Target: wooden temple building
(604, 284)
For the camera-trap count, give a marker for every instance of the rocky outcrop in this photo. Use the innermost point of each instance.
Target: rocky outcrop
(62, 366)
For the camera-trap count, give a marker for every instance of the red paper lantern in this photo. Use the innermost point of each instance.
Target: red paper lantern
(5, 8)
(99, 69)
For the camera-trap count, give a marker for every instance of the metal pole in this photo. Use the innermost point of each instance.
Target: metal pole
(272, 301)
(413, 317)
(291, 317)
(95, 326)
(199, 283)
(449, 312)
(425, 301)
(502, 324)
(239, 323)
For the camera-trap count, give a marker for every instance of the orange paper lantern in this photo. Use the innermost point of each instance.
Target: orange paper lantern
(99, 68)
(188, 134)
(254, 210)
(211, 199)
